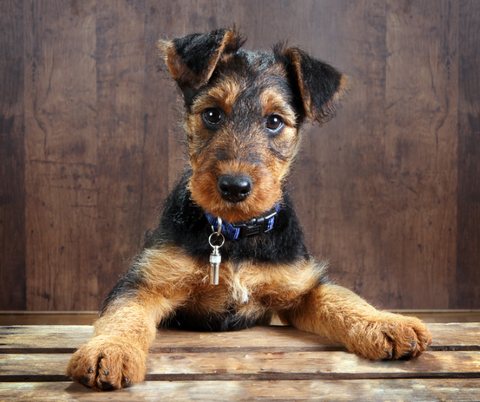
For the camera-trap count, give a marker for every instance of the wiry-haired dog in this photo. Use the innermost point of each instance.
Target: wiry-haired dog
(229, 252)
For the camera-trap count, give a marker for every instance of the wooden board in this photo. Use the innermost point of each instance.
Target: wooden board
(420, 154)
(468, 214)
(12, 157)
(60, 154)
(228, 391)
(262, 363)
(257, 365)
(62, 339)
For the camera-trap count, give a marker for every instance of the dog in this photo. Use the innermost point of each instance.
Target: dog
(229, 251)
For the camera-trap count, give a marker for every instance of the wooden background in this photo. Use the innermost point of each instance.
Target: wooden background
(389, 191)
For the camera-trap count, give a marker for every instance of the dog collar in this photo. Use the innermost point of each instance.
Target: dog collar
(239, 230)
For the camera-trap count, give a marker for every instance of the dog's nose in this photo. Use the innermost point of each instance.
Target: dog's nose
(233, 188)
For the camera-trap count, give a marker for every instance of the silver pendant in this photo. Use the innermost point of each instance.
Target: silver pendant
(216, 241)
(215, 260)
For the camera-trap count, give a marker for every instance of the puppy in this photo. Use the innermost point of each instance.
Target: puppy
(229, 251)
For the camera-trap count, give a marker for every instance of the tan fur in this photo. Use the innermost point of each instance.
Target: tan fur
(223, 95)
(119, 346)
(342, 316)
(275, 285)
(117, 352)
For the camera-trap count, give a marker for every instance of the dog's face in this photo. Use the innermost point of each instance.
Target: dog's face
(243, 115)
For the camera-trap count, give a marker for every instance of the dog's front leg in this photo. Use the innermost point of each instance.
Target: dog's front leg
(115, 356)
(342, 316)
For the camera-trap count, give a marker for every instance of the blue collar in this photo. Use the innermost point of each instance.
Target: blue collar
(242, 229)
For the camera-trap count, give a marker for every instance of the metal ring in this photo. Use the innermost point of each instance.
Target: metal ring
(219, 231)
(218, 235)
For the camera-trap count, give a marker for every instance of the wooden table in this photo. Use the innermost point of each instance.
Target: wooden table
(263, 363)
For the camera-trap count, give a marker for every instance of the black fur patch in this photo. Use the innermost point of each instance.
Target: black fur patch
(228, 321)
(196, 49)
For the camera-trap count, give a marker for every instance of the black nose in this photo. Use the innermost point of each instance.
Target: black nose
(233, 188)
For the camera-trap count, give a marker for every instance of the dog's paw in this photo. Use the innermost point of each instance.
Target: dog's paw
(107, 363)
(389, 337)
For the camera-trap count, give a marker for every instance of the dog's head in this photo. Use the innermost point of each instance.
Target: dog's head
(243, 114)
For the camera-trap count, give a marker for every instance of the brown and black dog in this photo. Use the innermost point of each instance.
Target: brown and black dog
(243, 114)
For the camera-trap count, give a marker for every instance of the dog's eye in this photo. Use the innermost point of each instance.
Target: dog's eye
(212, 116)
(274, 123)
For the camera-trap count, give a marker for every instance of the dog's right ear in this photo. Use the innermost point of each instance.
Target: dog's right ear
(192, 59)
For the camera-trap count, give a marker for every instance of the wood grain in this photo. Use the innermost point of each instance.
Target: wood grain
(121, 136)
(263, 363)
(343, 160)
(12, 157)
(421, 153)
(264, 366)
(227, 391)
(60, 147)
(468, 215)
(61, 339)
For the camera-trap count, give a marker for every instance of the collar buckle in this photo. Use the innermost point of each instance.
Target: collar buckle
(262, 224)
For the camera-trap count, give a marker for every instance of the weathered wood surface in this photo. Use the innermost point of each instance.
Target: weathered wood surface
(387, 191)
(262, 363)
(58, 339)
(247, 391)
(228, 391)
(12, 158)
(468, 247)
(257, 365)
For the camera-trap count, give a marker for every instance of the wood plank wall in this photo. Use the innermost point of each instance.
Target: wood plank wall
(388, 192)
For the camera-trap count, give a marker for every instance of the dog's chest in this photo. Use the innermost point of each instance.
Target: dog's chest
(251, 283)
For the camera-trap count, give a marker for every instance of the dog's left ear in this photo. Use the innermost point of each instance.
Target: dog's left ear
(318, 86)
(192, 59)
